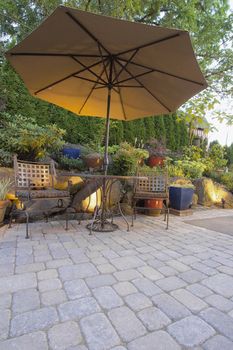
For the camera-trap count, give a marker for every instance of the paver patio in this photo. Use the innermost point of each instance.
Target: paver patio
(140, 290)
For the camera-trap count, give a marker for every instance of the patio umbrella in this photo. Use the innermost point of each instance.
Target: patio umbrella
(99, 66)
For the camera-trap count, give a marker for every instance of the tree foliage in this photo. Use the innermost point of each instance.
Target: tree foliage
(209, 23)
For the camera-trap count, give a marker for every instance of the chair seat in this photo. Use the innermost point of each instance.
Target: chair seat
(46, 193)
(150, 195)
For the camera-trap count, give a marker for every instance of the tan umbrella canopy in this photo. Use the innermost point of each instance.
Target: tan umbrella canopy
(100, 66)
(74, 57)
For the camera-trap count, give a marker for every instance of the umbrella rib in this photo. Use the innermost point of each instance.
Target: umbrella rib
(119, 90)
(87, 31)
(126, 64)
(149, 44)
(129, 86)
(163, 72)
(139, 82)
(65, 78)
(136, 76)
(103, 61)
(88, 69)
(91, 91)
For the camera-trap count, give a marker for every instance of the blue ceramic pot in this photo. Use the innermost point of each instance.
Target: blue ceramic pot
(69, 152)
(180, 197)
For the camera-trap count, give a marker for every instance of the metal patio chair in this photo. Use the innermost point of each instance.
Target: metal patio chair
(155, 187)
(34, 187)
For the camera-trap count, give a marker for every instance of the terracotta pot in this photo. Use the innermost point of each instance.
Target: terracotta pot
(93, 161)
(156, 206)
(3, 206)
(156, 161)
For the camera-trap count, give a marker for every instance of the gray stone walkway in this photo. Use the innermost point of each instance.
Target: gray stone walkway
(148, 289)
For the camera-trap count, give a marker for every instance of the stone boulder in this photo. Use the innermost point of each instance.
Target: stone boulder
(210, 193)
(195, 200)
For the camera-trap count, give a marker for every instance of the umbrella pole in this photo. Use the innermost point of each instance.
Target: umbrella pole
(106, 161)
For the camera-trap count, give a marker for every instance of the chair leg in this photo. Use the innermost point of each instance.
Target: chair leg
(165, 210)
(133, 214)
(67, 224)
(27, 222)
(168, 212)
(11, 215)
(10, 221)
(124, 218)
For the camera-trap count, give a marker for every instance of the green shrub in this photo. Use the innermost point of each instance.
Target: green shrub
(23, 136)
(5, 184)
(175, 171)
(127, 159)
(6, 158)
(227, 180)
(70, 164)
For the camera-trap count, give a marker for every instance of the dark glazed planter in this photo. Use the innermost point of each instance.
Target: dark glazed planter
(70, 152)
(180, 197)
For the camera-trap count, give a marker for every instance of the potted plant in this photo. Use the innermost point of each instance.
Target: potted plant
(71, 151)
(180, 196)
(157, 152)
(4, 188)
(154, 206)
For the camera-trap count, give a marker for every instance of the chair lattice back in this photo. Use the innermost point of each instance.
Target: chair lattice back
(37, 175)
(155, 183)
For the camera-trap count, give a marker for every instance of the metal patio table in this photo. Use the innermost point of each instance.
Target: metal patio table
(103, 219)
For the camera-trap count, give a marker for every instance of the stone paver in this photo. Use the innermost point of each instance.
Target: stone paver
(191, 331)
(4, 323)
(155, 341)
(192, 276)
(137, 301)
(146, 286)
(124, 288)
(99, 333)
(220, 321)
(35, 341)
(31, 296)
(16, 282)
(170, 283)
(153, 318)
(64, 335)
(100, 281)
(50, 284)
(146, 289)
(77, 309)
(47, 274)
(170, 306)
(192, 302)
(218, 342)
(5, 301)
(150, 273)
(219, 302)
(221, 284)
(53, 297)
(77, 271)
(127, 262)
(128, 329)
(107, 297)
(33, 321)
(76, 289)
(199, 290)
(127, 275)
